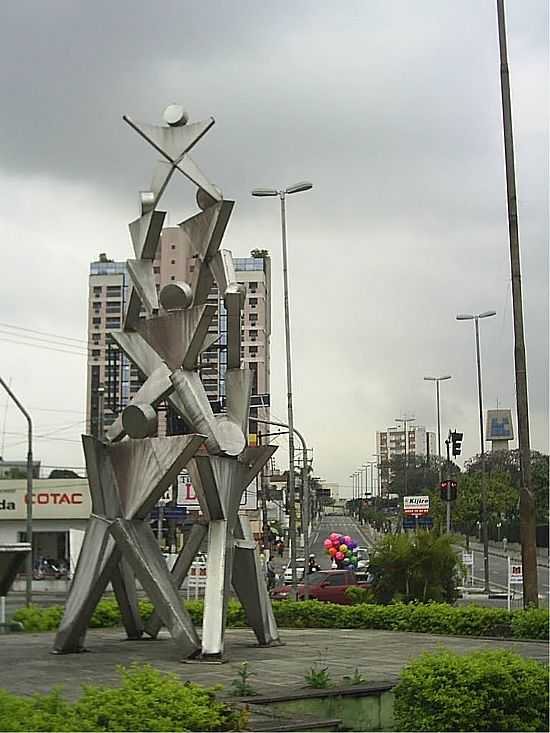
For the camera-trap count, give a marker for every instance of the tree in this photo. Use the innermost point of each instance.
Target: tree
(421, 477)
(414, 567)
(14, 473)
(506, 462)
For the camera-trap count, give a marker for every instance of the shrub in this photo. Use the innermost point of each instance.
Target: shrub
(414, 567)
(431, 618)
(483, 691)
(531, 624)
(147, 700)
(360, 595)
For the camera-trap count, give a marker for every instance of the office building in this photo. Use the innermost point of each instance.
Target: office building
(391, 443)
(112, 379)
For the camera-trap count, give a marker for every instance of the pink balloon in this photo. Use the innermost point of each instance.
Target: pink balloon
(327, 544)
(336, 543)
(334, 536)
(339, 556)
(347, 540)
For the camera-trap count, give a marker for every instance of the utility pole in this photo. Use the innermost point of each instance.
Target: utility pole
(263, 498)
(527, 507)
(29, 497)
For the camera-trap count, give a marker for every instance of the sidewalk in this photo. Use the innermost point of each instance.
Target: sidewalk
(379, 656)
(513, 551)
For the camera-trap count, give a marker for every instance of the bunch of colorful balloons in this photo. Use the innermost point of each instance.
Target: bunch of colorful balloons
(342, 550)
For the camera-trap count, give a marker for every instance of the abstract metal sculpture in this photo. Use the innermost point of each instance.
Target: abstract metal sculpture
(129, 469)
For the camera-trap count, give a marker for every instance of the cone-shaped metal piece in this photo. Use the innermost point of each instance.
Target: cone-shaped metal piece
(178, 336)
(145, 468)
(238, 389)
(223, 269)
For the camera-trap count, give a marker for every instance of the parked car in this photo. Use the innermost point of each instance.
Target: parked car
(325, 585)
(363, 556)
(300, 568)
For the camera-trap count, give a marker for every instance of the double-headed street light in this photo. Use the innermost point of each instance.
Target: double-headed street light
(476, 318)
(296, 188)
(448, 503)
(437, 380)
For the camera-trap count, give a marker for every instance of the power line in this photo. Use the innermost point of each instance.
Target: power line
(46, 348)
(43, 333)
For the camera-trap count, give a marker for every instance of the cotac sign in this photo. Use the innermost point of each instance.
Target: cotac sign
(54, 497)
(51, 499)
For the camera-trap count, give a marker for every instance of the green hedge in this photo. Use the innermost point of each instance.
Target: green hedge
(147, 700)
(432, 618)
(483, 691)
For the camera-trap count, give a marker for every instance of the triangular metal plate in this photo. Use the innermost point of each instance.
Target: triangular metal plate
(143, 278)
(205, 230)
(145, 234)
(172, 142)
(138, 351)
(190, 169)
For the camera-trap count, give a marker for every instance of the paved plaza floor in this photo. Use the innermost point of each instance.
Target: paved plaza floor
(27, 665)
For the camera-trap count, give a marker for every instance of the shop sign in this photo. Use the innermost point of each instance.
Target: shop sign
(188, 498)
(51, 499)
(415, 506)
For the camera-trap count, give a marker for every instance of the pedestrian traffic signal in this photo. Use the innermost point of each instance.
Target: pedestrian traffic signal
(448, 490)
(456, 439)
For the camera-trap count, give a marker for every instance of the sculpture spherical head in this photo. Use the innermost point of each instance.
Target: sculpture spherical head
(175, 116)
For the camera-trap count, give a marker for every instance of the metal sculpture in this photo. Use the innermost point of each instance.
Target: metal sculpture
(129, 469)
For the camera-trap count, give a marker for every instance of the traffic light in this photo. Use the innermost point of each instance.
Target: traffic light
(456, 439)
(448, 490)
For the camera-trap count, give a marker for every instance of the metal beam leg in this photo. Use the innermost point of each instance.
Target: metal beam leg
(218, 581)
(179, 571)
(96, 563)
(124, 586)
(251, 588)
(140, 548)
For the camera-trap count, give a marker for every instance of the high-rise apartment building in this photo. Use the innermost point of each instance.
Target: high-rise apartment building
(112, 379)
(391, 443)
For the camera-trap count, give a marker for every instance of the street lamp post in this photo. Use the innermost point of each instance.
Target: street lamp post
(437, 380)
(28, 526)
(405, 420)
(305, 498)
(296, 188)
(475, 318)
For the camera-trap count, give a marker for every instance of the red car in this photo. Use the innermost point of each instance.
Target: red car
(325, 585)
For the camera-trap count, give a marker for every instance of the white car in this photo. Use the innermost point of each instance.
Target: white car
(300, 565)
(363, 556)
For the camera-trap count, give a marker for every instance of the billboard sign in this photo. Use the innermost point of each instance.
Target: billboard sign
(416, 506)
(187, 497)
(52, 499)
(499, 425)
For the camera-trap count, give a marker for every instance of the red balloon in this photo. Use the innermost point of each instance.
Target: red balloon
(332, 551)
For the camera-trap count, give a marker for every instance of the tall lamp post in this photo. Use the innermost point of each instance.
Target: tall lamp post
(476, 318)
(296, 188)
(437, 380)
(28, 527)
(405, 421)
(306, 499)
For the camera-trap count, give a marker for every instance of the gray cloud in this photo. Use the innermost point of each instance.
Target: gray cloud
(392, 109)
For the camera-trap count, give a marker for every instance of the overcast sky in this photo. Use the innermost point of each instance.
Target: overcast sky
(391, 108)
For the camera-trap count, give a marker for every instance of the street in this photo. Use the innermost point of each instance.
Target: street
(342, 525)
